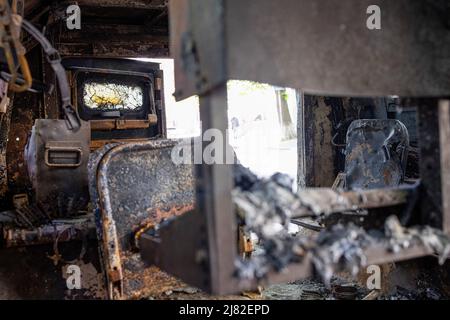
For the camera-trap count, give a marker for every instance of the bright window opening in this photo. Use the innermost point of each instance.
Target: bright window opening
(112, 97)
(261, 119)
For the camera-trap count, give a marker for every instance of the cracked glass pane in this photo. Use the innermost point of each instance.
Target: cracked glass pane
(112, 96)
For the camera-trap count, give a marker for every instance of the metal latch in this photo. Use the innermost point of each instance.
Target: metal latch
(63, 154)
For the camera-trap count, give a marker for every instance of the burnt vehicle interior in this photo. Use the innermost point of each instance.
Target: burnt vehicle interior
(88, 178)
(121, 99)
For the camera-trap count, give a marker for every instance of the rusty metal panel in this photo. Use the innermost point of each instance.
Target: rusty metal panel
(179, 25)
(322, 47)
(57, 160)
(317, 167)
(111, 29)
(433, 127)
(137, 186)
(135, 4)
(197, 45)
(430, 164)
(5, 121)
(325, 46)
(444, 138)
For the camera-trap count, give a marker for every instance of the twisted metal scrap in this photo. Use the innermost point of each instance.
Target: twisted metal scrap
(267, 205)
(340, 249)
(400, 238)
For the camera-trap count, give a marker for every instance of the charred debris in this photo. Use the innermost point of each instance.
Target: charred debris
(87, 178)
(268, 207)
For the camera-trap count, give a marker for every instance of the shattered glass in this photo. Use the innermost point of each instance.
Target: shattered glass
(112, 96)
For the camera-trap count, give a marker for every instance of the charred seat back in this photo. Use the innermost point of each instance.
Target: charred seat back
(135, 186)
(57, 159)
(376, 152)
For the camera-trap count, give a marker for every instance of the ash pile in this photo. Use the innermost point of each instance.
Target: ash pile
(268, 207)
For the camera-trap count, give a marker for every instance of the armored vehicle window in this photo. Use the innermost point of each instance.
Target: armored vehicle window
(111, 96)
